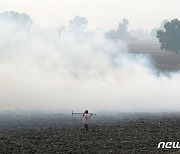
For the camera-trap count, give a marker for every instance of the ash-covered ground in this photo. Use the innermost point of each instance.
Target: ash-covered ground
(60, 133)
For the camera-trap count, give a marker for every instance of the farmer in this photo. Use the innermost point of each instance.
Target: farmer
(85, 120)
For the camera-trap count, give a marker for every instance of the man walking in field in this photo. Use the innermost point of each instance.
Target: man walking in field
(85, 120)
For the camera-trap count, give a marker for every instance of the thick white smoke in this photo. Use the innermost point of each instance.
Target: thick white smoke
(77, 69)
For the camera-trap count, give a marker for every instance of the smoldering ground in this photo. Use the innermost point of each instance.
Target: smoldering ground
(75, 67)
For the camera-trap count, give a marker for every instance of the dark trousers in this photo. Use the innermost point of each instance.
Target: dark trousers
(86, 127)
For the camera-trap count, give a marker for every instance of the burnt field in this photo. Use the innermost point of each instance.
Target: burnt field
(163, 60)
(59, 133)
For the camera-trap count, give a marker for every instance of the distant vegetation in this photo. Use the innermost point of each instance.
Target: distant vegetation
(168, 33)
(18, 20)
(169, 37)
(121, 32)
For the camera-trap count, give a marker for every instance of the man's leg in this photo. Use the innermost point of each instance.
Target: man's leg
(86, 126)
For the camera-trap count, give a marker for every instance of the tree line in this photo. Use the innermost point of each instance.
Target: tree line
(168, 33)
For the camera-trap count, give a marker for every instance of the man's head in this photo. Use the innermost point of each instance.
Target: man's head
(86, 111)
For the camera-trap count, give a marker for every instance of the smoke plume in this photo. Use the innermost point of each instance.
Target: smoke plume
(76, 68)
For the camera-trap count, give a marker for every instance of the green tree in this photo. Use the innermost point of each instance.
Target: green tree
(20, 20)
(121, 32)
(163, 23)
(170, 36)
(123, 29)
(78, 21)
(78, 25)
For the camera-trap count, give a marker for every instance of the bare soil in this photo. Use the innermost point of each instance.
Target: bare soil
(58, 133)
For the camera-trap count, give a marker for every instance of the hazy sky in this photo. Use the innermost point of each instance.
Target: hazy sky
(103, 13)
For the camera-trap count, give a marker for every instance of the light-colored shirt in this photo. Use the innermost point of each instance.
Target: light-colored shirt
(85, 118)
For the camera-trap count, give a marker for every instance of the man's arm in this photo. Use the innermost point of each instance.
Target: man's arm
(90, 116)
